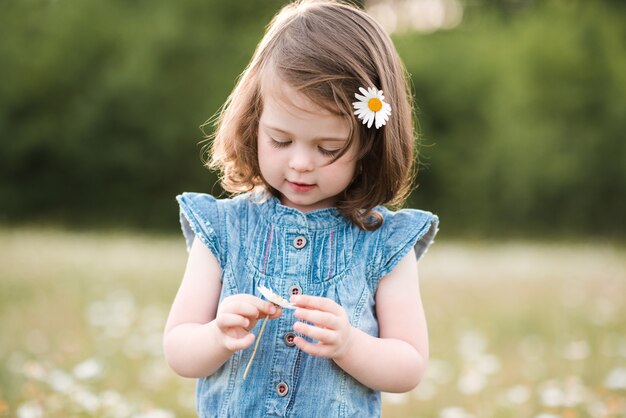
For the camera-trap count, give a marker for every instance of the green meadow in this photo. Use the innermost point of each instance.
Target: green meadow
(517, 329)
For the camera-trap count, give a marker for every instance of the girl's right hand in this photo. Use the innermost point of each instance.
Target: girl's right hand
(237, 315)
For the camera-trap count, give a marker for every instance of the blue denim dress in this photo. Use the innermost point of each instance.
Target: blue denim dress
(258, 241)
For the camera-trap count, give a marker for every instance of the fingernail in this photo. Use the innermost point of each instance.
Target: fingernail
(272, 309)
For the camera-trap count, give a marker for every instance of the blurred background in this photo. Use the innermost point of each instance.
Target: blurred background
(521, 107)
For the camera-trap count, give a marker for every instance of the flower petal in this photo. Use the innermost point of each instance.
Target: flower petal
(367, 115)
(274, 297)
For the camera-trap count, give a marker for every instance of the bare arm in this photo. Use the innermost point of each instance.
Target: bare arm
(200, 335)
(393, 362)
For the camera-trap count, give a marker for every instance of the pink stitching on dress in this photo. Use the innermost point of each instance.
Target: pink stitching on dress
(267, 248)
(330, 252)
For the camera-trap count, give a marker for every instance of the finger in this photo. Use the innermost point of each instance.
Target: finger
(319, 318)
(316, 302)
(278, 313)
(267, 308)
(229, 320)
(317, 350)
(232, 320)
(254, 321)
(325, 336)
(237, 344)
(248, 305)
(238, 307)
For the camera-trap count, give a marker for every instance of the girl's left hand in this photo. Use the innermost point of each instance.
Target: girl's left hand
(331, 327)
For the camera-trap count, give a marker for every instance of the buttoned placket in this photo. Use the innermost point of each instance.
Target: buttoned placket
(297, 253)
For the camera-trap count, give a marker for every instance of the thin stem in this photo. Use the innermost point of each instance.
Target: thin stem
(256, 345)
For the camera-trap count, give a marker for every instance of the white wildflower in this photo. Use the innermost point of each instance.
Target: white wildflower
(371, 107)
(274, 297)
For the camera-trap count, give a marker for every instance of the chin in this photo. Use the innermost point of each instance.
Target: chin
(302, 204)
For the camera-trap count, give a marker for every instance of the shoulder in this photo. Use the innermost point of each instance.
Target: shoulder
(205, 201)
(211, 219)
(406, 222)
(401, 231)
(207, 208)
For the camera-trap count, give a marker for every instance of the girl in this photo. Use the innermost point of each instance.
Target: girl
(312, 148)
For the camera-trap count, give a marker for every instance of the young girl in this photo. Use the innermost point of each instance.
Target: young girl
(312, 149)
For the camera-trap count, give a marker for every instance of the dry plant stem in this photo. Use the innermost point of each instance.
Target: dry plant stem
(256, 345)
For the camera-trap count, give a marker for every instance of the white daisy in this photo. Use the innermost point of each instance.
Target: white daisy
(275, 298)
(371, 107)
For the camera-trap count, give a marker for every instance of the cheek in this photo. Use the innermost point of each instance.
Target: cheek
(344, 171)
(264, 151)
(268, 157)
(349, 164)
(262, 156)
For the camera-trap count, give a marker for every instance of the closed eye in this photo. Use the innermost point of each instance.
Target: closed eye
(282, 144)
(279, 144)
(327, 152)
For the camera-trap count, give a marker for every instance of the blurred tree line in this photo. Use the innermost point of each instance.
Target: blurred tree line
(522, 111)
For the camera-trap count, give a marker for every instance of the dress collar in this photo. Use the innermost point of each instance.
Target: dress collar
(284, 216)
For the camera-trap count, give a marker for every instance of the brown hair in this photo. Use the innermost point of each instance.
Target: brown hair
(326, 50)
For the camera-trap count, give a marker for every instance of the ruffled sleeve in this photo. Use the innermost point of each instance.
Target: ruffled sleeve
(201, 216)
(403, 230)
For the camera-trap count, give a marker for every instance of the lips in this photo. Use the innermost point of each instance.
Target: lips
(300, 187)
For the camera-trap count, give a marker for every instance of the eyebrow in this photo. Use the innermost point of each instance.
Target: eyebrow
(317, 138)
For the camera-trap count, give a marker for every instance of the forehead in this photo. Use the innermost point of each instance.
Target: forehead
(288, 109)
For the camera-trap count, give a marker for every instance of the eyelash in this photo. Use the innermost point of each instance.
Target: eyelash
(283, 144)
(327, 153)
(279, 144)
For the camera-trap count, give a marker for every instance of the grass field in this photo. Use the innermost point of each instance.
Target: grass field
(516, 329)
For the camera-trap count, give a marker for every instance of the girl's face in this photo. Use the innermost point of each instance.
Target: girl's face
(297, 141)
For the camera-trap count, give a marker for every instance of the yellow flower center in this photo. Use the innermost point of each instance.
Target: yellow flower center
(375, 104)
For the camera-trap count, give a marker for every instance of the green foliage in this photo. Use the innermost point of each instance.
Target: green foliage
(523, 123)
(101, 103)
(521, 111)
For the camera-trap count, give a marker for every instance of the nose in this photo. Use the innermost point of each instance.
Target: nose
(301, 160)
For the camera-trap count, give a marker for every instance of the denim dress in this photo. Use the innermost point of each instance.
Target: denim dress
(258, 241)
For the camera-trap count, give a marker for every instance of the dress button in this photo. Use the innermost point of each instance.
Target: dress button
(295, 290)
(289, 339)
(299, 242)
(282, 389)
